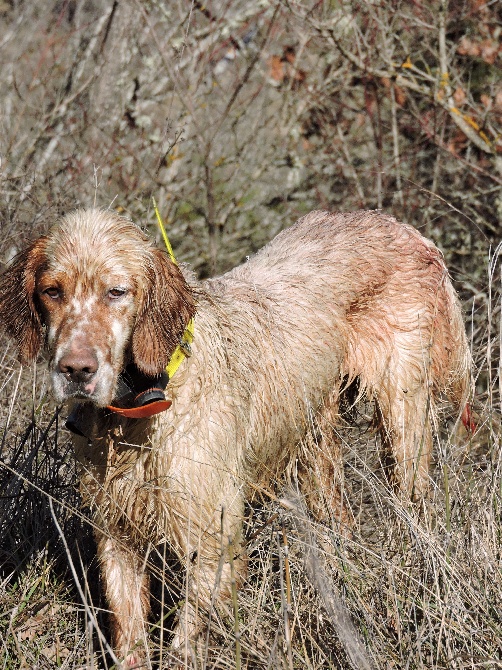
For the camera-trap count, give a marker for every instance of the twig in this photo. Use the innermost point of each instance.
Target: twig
(352, 169)
(233, 585)
(14, 396)
(466, 124)
(316, 573)
(283, 555)
(395, 144)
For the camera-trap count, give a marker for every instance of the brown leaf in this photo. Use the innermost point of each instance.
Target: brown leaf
(459, 96)
(489, 51)
(486, 100)
(468, 48)
(276, 68)
(400, 96)
(497, 102)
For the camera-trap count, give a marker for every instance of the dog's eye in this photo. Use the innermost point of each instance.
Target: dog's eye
(116, 292)
(53, 292)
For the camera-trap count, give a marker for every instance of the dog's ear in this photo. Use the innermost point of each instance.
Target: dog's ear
(166, 306)
(19, 315)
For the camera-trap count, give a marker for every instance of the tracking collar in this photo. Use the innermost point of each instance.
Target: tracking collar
(141, 396)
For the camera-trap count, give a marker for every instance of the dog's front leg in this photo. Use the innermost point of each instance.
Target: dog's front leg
(127, 591)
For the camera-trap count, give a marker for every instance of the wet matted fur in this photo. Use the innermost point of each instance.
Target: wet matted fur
(334, 298)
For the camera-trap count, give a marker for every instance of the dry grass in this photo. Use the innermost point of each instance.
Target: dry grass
(420, 586)
(239, 117)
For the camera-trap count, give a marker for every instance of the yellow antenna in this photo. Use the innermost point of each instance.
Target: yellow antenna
(163, 231)
(183, 349)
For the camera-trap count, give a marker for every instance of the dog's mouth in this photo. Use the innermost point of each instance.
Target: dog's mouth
(94, 389)
(80, 394)
(77, 390)
(132, 388)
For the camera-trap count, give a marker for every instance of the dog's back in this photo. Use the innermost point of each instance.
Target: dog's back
(343, 294)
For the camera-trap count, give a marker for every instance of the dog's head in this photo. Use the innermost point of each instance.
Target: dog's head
(99, 295)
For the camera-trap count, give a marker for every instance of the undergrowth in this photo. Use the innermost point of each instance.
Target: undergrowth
(414, 586)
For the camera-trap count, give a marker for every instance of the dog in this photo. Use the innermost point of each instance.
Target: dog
(332, 299)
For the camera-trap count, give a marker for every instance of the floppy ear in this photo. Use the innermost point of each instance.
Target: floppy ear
(166, 306)
(19, 316)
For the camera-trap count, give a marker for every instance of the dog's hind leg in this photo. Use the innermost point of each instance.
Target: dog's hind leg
(405, 408)
(320, 471)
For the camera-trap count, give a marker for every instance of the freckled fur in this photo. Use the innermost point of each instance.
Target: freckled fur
(335, 297)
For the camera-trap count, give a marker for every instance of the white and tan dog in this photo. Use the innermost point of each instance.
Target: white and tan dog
(333, 298)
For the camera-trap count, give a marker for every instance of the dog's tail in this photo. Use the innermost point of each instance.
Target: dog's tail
(458, 376)
(468, 419)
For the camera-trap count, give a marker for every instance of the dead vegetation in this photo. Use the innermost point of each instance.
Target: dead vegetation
(239, 117)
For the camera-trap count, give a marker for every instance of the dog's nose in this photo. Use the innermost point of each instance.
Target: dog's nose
(78, 366)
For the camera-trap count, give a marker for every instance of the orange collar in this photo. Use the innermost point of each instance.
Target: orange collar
(141, 412)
